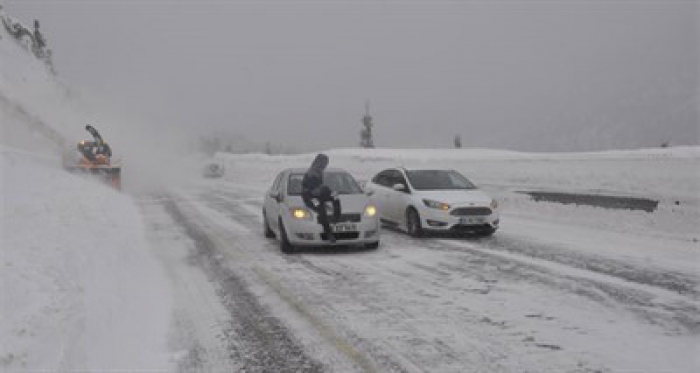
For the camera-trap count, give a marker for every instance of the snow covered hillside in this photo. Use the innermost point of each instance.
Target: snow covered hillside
(79, 287)
(37, 109)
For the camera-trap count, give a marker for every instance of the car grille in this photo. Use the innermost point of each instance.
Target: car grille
(471, 211)
(350, 218)
(342, 236)
(470, 228)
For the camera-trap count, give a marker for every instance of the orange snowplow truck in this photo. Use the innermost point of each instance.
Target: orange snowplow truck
(97, 159)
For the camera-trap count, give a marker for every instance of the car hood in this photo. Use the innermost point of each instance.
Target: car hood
(456, 197)
(349, 203)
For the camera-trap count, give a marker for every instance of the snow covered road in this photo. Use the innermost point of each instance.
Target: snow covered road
(538, 296)
(183, 279)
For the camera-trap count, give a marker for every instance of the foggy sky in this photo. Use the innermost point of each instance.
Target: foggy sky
(524, 75)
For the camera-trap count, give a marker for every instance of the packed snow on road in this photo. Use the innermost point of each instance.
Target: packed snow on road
(174, 273)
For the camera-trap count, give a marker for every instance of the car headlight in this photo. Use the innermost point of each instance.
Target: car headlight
(370, 210)
(301, 214)
(494, 204)
(436, 205)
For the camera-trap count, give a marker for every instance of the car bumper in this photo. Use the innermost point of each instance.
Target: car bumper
(310, 233)
(436, 220)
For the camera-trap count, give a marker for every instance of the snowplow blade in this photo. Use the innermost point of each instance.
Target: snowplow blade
(110, 174)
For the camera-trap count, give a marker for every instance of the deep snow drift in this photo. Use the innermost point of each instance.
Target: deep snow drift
(80, 288)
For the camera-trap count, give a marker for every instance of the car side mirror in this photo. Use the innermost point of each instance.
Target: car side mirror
(400, 188)
(275, 194)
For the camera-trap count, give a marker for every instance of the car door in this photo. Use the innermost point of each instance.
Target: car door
(272, 203)
(378, 187)
(397, 200)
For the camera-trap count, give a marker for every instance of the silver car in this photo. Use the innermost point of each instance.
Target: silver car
(286, 217)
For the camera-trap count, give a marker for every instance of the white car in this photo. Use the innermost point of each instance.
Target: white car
(420, 200)
(286, 217)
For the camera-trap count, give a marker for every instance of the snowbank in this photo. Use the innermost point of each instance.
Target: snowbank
(669, 175)
(653, 173)
(80, 288)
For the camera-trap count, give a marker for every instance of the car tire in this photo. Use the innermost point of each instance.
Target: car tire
(285, 246)
(372, 246)
(413, 224)
(266, 227)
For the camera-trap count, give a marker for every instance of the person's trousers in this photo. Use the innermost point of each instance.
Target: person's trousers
(323, 213)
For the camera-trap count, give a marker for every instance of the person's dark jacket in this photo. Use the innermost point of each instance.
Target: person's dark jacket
(313, 180)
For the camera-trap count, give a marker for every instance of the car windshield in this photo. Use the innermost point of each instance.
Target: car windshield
(438, 180)
(341, 182)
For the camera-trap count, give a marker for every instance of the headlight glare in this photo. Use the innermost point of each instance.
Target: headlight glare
(301, 214)
(370, 210)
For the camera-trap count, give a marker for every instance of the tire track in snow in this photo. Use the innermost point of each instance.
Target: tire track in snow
(198, 316)
(615, 281)
(599, 301)
(235, 244)
(411, 349)
(258, 340)
(676, 282)
(680, 313)
(346, 342)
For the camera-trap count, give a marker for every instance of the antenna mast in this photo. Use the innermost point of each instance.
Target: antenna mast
(366, 140)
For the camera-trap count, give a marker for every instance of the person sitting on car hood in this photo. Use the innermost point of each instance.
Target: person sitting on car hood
(315, 194)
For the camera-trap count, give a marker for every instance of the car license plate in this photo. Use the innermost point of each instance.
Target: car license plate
(471, 221)
(339, 228)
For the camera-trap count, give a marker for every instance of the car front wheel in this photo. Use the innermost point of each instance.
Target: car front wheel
(413, 224)
(285, 246)
(266, 227)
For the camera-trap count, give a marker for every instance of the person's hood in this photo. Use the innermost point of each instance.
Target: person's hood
(320, 163)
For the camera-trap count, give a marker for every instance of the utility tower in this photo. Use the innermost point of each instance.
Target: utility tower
(366, 140)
